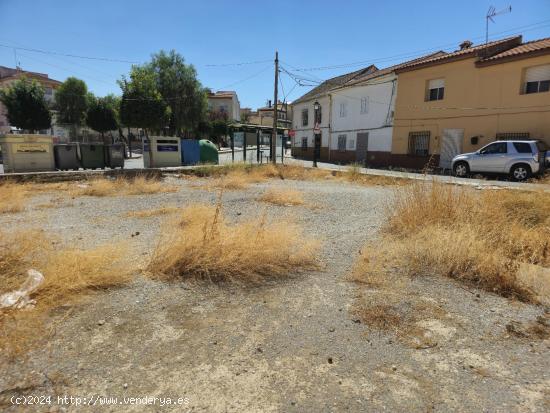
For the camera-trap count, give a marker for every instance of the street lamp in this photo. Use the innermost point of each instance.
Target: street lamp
(316, 133)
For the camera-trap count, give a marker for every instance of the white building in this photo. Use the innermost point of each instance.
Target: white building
(357, 117)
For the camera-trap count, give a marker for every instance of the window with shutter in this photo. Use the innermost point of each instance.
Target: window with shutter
(537, 79)
(436, 89)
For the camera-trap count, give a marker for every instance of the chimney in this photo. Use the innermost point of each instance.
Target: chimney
(466, 44)
(269, 103)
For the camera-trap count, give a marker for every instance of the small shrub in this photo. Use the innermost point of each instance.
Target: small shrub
(201, 245)
(68, 276)
(120, 187)
(146, 213)
(12, 197)
(283, 197)
(480, 238)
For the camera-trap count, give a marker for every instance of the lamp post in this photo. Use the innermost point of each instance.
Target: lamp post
(316, 133)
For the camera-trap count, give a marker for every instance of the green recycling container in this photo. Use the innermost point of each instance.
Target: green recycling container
(92, 155)
(66, 156)
(208, 152)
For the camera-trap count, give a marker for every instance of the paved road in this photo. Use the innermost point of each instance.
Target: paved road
(427, 177)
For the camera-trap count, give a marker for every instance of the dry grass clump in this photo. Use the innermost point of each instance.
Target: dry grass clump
(283, 197)
(201, 245)
(480, 238)
(101, 187)
(147, 213)
(68, 275)
(12, 197)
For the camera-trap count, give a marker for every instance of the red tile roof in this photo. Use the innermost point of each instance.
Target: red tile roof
(535, 46)
(489, 49)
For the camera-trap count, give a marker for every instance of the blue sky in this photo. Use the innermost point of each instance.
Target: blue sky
(307, 34)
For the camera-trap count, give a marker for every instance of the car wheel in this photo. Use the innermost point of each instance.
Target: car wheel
(461, 169)
(520, 172)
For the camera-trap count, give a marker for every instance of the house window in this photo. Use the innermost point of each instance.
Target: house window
(436, 89)
(351, 144)
(305, 116)
(304, 143)
(342, 143)
(507, 136)
(48, 91)
(419, 143)
(537, 79)
(343, 109)
(319, 115)
(364, 105)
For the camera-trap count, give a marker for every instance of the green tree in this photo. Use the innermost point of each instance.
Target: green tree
(181, 90)
(72, 101)
(142, 105)
(101, 115)
(27, 108)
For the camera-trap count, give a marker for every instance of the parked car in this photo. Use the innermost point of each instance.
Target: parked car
(519, 159)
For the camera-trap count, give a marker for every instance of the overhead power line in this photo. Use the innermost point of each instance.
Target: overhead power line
(542, 24)
(105, 59)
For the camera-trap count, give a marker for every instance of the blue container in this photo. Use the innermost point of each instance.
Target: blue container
(190, 152)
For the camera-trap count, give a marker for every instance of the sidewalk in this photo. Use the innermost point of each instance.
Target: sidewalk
(478, 183)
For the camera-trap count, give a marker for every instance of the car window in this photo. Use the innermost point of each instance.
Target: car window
(498, 147)
(523, 147)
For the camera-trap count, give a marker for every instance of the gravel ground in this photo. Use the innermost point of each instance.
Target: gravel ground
(290, 346)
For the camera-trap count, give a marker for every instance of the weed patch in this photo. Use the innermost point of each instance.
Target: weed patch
(282, 197)
(68, 275)
(201, 245)
(479, 238)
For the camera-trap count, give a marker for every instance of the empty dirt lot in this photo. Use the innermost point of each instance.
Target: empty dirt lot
(290, 345)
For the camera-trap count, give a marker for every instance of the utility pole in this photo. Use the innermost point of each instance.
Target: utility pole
(274, 138)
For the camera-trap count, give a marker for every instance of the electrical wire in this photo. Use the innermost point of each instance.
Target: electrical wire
(524, 28)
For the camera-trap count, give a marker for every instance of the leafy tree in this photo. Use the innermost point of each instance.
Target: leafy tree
(142, 105)
(27, 108)
(72, 101)
(101, 115)
(178, 84)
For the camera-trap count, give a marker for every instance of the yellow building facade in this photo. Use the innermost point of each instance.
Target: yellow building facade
(464, 100)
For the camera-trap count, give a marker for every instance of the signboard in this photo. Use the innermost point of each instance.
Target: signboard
(316, 129)
(31, 147)
(291, 133)
(238, 139)
(167, 148)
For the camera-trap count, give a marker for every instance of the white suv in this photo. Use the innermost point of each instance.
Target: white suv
(518, 159)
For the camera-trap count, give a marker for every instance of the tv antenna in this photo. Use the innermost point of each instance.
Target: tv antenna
(492, 12)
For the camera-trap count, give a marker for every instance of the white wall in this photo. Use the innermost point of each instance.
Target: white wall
(380, 96)
(307, 131)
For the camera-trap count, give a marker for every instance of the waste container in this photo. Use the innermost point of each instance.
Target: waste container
(114, 155)
(27, 153)
(208, 152)
(165, 151)
(92, 155)
(66, 156)
(190, 152)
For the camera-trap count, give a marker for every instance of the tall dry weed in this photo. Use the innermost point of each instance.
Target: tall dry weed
(200, 244)
(480, 237)
(12, 197)
(69, 274)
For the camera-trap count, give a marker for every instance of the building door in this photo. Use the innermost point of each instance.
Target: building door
(451, 145)
(361, 147)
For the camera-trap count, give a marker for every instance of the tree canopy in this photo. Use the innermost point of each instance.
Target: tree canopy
(101, 115)
(181, 90)
(72, 101)
(26, 105)
(142, 105)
